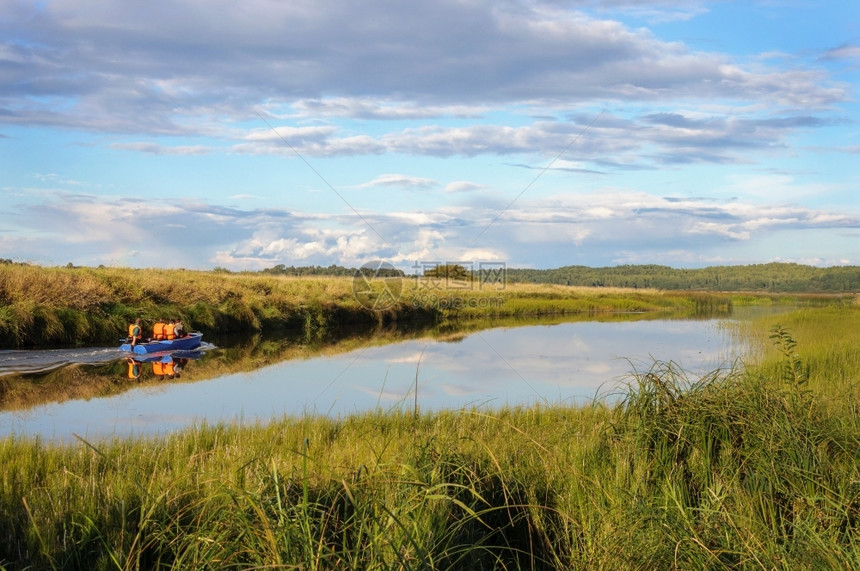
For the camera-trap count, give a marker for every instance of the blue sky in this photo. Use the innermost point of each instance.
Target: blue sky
(536, 133)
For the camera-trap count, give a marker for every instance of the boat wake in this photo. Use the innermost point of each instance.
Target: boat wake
(28, 361)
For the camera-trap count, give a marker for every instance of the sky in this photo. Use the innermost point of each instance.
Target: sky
(541, 133)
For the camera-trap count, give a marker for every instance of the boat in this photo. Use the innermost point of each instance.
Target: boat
(190, 341)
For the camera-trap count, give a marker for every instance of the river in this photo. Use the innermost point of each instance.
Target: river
(557, 362)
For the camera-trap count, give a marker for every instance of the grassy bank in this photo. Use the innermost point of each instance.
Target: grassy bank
(87, 306)
(741, 469)
(49, 306)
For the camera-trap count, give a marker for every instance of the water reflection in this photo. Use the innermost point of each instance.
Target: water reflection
(431, 367)
(160, 367)
(565, 362)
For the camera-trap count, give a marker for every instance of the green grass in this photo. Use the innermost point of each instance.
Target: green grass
(50, 306)
(90, 306)
(755, 468)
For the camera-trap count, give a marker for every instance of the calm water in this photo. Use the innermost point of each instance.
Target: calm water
(562, 363)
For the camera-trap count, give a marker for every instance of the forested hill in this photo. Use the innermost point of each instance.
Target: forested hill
(774, 277)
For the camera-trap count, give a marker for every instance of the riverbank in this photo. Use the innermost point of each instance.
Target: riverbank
(745, 468)
(91, 306)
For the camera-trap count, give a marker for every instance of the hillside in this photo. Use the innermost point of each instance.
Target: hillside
(773, 277)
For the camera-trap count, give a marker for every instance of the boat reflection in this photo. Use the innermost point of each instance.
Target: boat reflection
(161, 367)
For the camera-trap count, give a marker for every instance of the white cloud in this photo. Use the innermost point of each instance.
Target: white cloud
(614, 141)
(181, 65)
(399, 181)
(380, 109)
(718, 229)
(599, 226)
(463, 186)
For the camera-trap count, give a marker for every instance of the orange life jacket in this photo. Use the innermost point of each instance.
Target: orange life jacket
(133, 369)
(168, 369)
(131, 329)
(158, 330)
(168, 331)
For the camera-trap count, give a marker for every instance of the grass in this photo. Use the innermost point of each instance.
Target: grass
(754, 468)
(50, 306)
(89, 306)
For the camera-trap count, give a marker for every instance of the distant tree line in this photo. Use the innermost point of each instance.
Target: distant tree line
(450, 271)
(773, 277)
(332, 270)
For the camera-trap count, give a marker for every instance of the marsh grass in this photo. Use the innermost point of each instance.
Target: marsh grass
(86, 306)
(734, 469)
(819, 344)
(45, 306)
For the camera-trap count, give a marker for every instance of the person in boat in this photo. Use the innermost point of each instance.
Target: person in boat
(169, 330)
(158, 330)
(179, 329)
(135, 332)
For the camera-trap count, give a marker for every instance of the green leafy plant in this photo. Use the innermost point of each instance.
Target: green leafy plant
(794, 372)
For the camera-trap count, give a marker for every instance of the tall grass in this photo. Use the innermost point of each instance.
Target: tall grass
(85, 306)
(743, 468)
(823, 340)
(43, 306)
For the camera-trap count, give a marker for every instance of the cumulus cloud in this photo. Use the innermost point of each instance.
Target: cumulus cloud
(120, 67)
(582, 228)
(613, 141)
